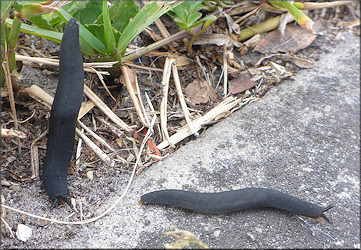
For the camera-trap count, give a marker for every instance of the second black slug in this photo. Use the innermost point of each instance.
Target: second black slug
(63, 115)
(235, 200)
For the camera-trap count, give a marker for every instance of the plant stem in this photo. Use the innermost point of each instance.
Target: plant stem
(4, 35)
(13, 38)
(268, 25)
(177, 36)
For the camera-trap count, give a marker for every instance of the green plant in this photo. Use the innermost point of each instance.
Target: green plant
(187, 15)
(9, 37)
(104, 30)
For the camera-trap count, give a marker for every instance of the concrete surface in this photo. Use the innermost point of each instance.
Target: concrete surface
(302, 138)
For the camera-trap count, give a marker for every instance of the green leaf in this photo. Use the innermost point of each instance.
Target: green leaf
(85, 34)
(193, 18)
(303, 20)
(195, 7)
(89, 13)
(49, 35)
(31, 10)
(12, 41)
(5, 9)
(55, 21)
(108, 31)
(97, 30)
(41, 22)
(207, 20)
(147, 15)
(279, 4)
(181, 24)
(181, 10)
(86, 48)
(120, 13)
(23, 3)
(4, 35)
(187, 14)
(17, 6)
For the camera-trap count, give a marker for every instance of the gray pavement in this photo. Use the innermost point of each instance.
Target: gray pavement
(302, 138)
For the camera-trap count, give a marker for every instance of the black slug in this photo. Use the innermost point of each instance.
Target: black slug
(63, 115)
(235, 200)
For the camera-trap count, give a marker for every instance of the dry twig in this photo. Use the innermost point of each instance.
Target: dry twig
(88, 67)
(5, 132)
(8, 227)
(223, 107)
(78, 150)
(11, 95)
(131, 82)
(163, 30)
(225, 72)
(163, 106)
(97, 137)
(104, 157)
(182, 100)
(103, 107)
(34, 161)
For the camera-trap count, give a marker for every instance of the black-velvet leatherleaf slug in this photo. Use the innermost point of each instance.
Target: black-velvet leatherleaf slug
(63, 115)
(235, 200)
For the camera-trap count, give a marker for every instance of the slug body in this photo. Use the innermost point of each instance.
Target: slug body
(63, 115)
(235, 200)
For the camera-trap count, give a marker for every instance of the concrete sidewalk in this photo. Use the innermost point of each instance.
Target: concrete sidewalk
(302, 138)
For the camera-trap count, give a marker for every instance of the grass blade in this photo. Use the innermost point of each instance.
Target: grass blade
(147, 15)
(303, 20)
(12, 40)
(49, 35)
(85, 34)
(108, 31)
(5, 8)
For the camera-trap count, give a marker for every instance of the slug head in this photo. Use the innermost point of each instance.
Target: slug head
(323, 216)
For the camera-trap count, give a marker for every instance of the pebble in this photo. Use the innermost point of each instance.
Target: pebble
(146, 222)
(23, 232)
(251, 237)
(217, 232)
(90, 175)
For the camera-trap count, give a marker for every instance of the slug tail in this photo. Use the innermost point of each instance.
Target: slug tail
(56, 200)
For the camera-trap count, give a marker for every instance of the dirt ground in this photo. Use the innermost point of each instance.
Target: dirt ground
(90, 178)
